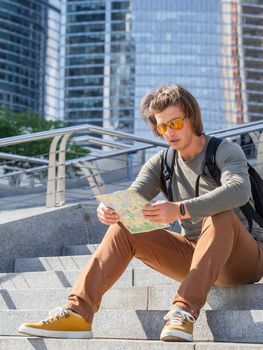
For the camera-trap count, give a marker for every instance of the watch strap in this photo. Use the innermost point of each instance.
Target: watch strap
(182, 209)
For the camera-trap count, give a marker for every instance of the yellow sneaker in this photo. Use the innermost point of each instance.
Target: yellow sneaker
(179, 326)
(60, 323)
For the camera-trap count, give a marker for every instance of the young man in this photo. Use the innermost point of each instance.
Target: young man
(214, 247)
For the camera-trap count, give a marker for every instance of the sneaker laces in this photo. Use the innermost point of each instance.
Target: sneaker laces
(178, 317)
(56, 313)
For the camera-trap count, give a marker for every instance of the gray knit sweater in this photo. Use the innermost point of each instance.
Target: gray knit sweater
(234, 192)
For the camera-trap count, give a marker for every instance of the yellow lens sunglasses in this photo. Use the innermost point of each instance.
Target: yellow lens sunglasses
(174, 124)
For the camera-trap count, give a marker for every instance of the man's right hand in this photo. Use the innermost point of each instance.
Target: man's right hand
(106, 215)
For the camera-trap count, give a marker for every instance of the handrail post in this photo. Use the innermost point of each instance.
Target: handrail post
(60, 188)
(130, 166)
(51, 181)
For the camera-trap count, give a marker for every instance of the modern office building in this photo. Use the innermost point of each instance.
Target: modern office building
(242, 60)
(99, 64)
(91, 61)
(213, 48)
(180, 41)
(116, 50)
(30, 55)
(252, 44)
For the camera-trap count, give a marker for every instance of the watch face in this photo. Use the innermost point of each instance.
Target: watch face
(182, 209)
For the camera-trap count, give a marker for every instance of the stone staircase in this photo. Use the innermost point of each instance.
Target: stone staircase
(131, 312)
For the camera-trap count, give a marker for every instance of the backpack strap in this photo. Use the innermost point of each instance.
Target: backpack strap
(256, 188)
(250, 213)
(210, 160)
(167, 169)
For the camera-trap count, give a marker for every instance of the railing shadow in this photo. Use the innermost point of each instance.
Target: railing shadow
(38, 343)
(244, 326)
(7, 299)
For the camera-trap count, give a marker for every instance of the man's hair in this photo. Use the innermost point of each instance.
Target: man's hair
(171, 95)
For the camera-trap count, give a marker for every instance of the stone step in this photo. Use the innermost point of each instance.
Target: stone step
(34, 343)
(140, 277)
(50, 279)
(128, 298)
(83, 249)
(59, 263)
(244, 326)
(132, 298)
(244, 296)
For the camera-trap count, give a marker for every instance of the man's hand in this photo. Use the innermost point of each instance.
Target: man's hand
(163, 212)
(106, 215)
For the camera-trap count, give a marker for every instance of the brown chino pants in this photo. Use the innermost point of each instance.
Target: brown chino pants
(224, 254)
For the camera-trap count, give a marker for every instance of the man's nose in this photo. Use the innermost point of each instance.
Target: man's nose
(169, 131)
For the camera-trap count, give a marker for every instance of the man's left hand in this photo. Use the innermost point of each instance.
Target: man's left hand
(162, 212)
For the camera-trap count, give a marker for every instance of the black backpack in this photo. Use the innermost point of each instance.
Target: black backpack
(167, 169)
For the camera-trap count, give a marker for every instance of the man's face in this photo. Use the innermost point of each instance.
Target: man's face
(179, 139)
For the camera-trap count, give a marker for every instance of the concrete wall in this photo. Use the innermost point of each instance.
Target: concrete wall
(46, 234)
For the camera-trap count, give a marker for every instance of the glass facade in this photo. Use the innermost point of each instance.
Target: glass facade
(91, 61)
(99, 64)
(29, 55)
(213, 48)
(116, 50)
(252, 44)
(242, 60)
(179, 42)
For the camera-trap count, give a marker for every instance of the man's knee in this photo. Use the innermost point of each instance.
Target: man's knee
(219, 220)
(116, 231)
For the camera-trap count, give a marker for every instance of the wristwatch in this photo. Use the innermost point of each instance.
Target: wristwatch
(182, 209)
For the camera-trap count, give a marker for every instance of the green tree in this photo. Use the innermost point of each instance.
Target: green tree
(13, 124)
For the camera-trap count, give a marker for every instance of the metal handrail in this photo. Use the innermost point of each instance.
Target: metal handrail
(8, 141)
(239, 130)
(104, 155)
(100, 141)
(56, 169)
(16, 157)
(13, 140)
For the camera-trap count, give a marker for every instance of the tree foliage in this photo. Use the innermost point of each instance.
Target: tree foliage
(13, 124)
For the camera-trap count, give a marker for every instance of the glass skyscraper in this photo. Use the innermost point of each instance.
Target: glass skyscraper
(242, 60)
(116, 50)
(252, 46)
(30, 55)
(99, 64)
(180, 41)
(213, 48)
(91, 61)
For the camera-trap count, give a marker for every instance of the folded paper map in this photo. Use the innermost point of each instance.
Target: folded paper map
(128, 205)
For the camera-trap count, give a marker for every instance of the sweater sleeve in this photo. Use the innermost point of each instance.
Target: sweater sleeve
(235, 190)
(148, 183)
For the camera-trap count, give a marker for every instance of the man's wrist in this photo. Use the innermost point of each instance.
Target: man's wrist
(183, 212)
(182, 209)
